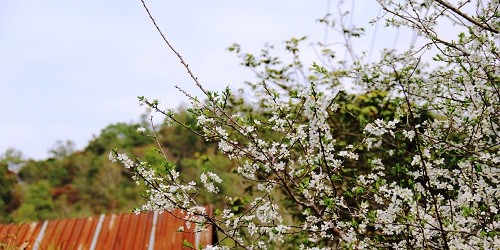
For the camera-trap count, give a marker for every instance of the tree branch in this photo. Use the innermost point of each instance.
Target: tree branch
(467, 17)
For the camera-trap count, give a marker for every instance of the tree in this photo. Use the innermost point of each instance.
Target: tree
(423, 177)
(62, 149)
(38, 204)
(10, 162)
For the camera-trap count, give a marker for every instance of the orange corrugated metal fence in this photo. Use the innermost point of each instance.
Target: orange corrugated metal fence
(150, 230)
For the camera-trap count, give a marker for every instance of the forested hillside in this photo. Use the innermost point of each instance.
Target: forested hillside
(84, 183)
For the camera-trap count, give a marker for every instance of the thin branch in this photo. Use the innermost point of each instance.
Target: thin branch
(467, 17)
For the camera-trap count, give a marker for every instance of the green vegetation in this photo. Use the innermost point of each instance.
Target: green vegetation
(72, 184)
(84, 183)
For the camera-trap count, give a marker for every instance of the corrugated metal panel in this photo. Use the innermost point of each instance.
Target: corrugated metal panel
(17, 235)
(123, 231)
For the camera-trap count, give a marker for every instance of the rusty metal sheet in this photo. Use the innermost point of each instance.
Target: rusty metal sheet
(122, 231)
(19, 235)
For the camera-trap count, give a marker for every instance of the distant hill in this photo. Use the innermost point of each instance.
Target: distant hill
(84, 183)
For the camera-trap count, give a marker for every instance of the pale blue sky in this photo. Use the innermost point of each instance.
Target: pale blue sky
(70, 68)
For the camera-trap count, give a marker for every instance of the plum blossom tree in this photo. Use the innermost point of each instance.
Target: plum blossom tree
(417, 168)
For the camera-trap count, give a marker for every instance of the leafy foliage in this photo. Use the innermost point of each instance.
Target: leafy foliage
(9, 193)
(84, 183)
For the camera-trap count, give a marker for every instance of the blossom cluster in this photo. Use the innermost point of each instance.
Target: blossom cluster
(411, 162)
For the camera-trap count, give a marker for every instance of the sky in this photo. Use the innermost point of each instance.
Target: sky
(70, 68)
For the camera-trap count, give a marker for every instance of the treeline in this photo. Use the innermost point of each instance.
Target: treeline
(84, 183)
